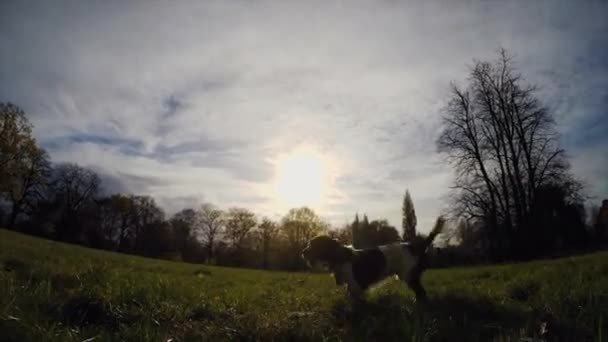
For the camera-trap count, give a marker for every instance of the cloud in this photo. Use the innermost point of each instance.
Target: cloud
(193, 101)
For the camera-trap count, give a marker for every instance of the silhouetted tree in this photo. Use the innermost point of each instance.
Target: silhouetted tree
(267, 233)
(211, 224)
(409, 217)
(25, 167)
(383, 233)
(73, 188)
(144, 212)
(114, 219)
(239, 222)
(599, 221)
(344, 234)
(356, 232)
(184, 224)
(504, 147)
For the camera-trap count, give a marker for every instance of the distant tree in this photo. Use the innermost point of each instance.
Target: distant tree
(383, 233)
(211, 224)
(344, 234)
(600, 221)
(267, 233)
(25, 166)
(367, 236)
(114, 215)
(184, 224)
(155, 239)
(298, 227)
(356, 232)
(239, 222)
(505, 150)
(409, 217)
(74, 189)
(144, 212)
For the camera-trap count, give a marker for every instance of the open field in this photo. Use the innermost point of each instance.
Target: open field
(60, 292)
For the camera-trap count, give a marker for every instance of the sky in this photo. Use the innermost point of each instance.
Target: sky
(203, 101)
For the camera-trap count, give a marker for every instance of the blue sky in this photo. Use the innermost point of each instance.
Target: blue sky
(193, 101)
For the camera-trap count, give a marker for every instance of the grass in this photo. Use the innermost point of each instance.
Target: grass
(51, 291)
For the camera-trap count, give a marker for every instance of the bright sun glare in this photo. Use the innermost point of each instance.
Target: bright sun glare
(302, 178)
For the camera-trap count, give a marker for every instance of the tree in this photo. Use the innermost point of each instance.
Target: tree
(343, 234)
(239, 222)
(211, 223)
(599, 221)
(367, 236)
(504, 147)
(25, 166)
(144, 212)
(298, 227)
(409, 217)
(267, 232)
(114, 214)
(74, 188)
(356, 232)
(183, 225)
(383, 233)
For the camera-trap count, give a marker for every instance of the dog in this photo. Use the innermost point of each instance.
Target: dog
(359, 269)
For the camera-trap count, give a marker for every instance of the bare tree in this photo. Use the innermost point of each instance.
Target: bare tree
(144, 212)
(504, 147)
(211, 224)
(239, 222)
(74, 188)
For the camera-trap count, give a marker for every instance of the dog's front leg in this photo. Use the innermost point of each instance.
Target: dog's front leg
(355, 292)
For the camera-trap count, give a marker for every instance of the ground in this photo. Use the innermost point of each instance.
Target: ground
(60, 292)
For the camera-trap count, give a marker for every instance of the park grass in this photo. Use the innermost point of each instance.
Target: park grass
(51, 291)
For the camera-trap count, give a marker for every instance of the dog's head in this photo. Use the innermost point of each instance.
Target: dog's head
(326, 252)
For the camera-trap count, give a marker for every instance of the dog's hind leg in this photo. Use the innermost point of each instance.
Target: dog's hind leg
(412, 279)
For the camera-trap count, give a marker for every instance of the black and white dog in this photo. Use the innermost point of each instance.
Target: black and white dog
(361, 268)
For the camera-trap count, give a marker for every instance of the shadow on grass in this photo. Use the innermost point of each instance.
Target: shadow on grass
(444, 318)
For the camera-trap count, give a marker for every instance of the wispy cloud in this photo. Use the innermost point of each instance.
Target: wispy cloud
(192, 101)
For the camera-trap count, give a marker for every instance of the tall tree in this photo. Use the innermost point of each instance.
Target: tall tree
(409, 217)
(211, 224)
(504, 147)
(25, 166)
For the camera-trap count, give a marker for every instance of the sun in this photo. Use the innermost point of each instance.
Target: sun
(302, 178)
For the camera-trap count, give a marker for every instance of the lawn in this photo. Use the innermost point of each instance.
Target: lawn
(51, 291)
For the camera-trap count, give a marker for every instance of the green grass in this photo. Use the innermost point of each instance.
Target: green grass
(59, 292)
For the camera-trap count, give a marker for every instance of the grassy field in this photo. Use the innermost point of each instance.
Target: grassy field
(54, 291)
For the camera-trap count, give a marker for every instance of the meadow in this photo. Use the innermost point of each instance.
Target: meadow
(51, 291)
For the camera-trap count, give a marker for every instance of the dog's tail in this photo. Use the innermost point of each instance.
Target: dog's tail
(433, 234)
